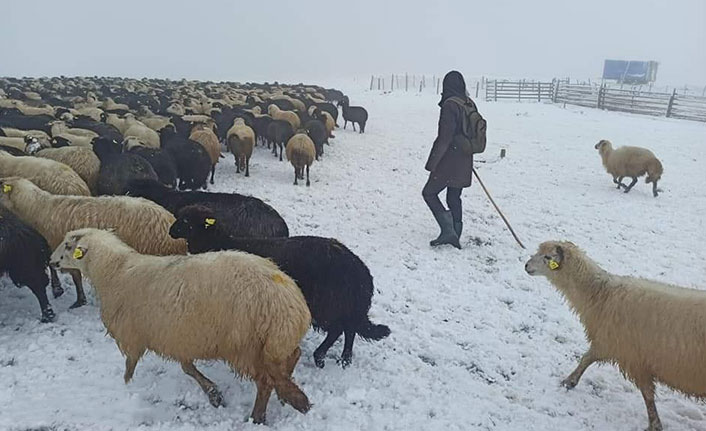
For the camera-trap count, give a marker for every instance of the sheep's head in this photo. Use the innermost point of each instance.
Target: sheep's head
(72, 251)
(193, 220)
(603, 143)
(549, 258)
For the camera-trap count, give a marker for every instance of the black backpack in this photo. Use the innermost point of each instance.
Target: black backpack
(473, 126)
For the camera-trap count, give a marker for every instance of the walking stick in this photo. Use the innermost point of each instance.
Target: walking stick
(507, 223)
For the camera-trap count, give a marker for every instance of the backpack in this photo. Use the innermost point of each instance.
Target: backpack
(473, 126)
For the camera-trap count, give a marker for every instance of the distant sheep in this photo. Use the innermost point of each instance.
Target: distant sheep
(54, 177)
(288, 116)
(654, 332)
(241, 140)
(141, 223)
(229, 306)
(204, 135)
(337, 285)
(354, 114)
(631, 162)
(301, 153)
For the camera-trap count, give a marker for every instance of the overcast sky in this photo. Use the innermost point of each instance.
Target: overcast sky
(310, 40)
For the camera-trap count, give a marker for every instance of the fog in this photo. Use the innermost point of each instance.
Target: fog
(319, 40)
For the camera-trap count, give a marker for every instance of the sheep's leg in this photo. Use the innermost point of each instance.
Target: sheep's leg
(130, 364)
(40, 292)
(247, 166)
(292, 360)
(280, 152)
(296, 176)
(587, 359)
(345, 123)
(630, 186)
(307, 176)
(648, 394)
(213, 172)
(619, 182)
(320, 352)
(56, 288)
(259, 410)
(78, 282)
(237, 165)
(353, 124)
(654, 189)
(347, 356)
(208, 387)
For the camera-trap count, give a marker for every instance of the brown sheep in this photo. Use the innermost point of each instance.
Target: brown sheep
(204, 135)
(301, 153)
(81, 159)
(241, 141)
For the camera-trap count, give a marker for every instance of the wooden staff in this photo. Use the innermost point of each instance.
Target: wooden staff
(507, 223)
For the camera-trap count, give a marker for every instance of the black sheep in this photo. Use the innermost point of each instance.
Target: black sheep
(162, 162)
(192, 161)
(354, 114)
(117, 168)
(336, 284)
(12, 150)
(318, 133)
(259, 126)
(24, 256)
(279, 132)
(243, 216)
(102, 128)
(17, 120)
(330, 108)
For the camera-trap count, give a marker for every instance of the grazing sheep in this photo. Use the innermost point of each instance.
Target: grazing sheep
(242, 216)
(24, 256)
(81, 159)
(354, 114)
(631, 162)
(49, 175)
(229, 306)
(654, 332)
(288, 116)
(301, 153)
(241, 140)
(141, 223)
(117, 169)
(337, 285)
(204, 135)
(192, 161)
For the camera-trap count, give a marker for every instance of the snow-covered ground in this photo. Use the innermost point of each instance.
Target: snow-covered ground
(476, 344)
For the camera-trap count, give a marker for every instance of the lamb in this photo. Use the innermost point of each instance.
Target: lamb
(117, 169)
(242, 216)
(337, 285)
(354, 114)
(288, 116)
(54, 177)
(24, 256)
(241, 141)
(82, 160)
(631, 162)
(141, 223)
(204, 135)
(653, 331)
(301, 153)
(229, 306)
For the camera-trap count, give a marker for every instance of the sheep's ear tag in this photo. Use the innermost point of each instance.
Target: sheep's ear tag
(553, 265)
(78, 253)
(6, 188)
(209, 222)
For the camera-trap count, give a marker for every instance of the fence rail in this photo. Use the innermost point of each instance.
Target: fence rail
(519, 90)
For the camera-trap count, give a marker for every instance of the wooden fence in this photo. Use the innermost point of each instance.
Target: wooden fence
(519, 90)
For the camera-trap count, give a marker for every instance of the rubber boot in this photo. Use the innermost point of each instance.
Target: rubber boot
(448, 234)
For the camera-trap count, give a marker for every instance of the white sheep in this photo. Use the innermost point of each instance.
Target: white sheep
(288, 116)
(139, 222)
(241, 141)
(49, 175)
(631, 162)
(135, 128)
(60, 128)
(81, 159)
(41, 136)
(229, 305)
(654, 332)
(301, 153)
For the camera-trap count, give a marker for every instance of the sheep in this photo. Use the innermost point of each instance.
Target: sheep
(354, 114)
(49, 175)
(288, 116)
(14, 142)
(100, 127)
(337, 285)
(24, 256)
(65, 140)
(241, 140)
(631, 162)
(61, 128)
(26, 122)
(204, 135)
(162, 162)
(156, 122)
(279, 132)
(117, 168)
(141, 223)
(41, 136)
(242, 216)
(82, 160)
(653, 331)
(316, 130)
(301, 153)
(135, 128)
(12, 150)
(229, 306)
(192, 161)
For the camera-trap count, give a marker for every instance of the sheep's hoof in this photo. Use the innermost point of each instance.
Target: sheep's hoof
(79, 303)
(346, 360)
(48, 315)
(654, 426)
(569, 383)
(57, 291)
(215, 398)
(319, 361)
(257, 420)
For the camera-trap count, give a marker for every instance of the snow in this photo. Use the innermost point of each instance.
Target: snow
(476, 344)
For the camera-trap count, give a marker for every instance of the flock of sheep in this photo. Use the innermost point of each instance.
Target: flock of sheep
(106, 172)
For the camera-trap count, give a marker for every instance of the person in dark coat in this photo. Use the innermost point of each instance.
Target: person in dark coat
(449, 165)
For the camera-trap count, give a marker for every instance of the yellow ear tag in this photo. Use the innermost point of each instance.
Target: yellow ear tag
(210, 222)
(78, 253)
(6, 188)
(278, 278)
(553, 265)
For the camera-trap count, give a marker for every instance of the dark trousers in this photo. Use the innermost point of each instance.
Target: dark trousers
(431, 191)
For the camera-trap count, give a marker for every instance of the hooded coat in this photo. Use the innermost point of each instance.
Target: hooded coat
(447, 161)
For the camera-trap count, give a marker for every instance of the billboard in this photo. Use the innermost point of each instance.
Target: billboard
(630, 72)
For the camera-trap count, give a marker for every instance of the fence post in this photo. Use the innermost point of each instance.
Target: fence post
(438, 81)
(392, 82)
(421, 85)
(671, 103)
(372, 78)
(495, 89)
(539, 91)
(477, 88)
(599, 103)
(406, 82)
(378, 83)
(555, 89)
